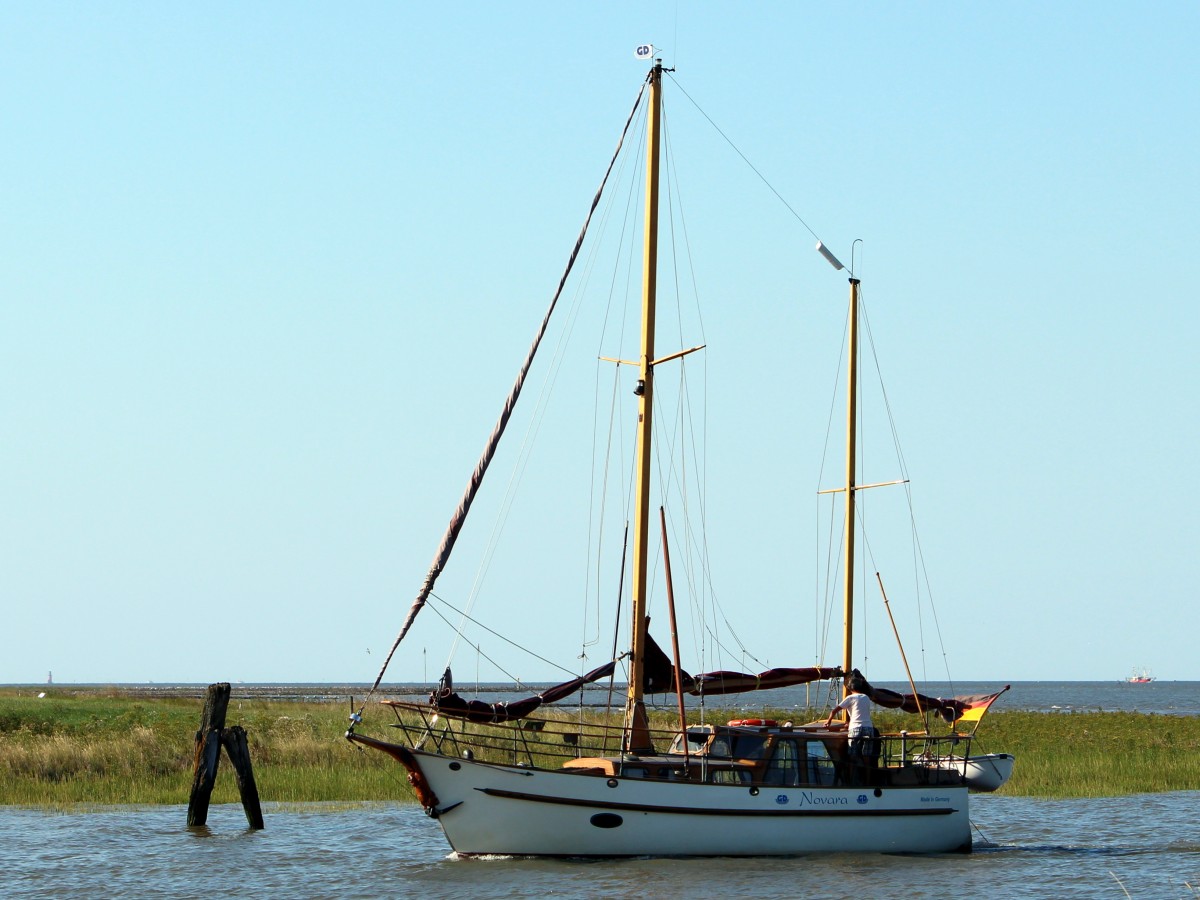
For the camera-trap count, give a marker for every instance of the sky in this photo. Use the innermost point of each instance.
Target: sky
(269, 270)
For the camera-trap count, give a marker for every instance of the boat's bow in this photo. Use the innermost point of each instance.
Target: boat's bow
(416, 777)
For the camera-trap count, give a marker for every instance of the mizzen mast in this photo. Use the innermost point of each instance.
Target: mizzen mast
(637, 729)
(851, 465)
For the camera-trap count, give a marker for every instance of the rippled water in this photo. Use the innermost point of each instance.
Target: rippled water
(1145, 845)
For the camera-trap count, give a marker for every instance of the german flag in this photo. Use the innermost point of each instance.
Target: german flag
(974, 707)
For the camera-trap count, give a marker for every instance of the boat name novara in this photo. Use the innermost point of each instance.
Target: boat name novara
(807, 798)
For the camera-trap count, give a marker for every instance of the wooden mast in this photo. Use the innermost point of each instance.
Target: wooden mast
(851, 459)
(637, 728)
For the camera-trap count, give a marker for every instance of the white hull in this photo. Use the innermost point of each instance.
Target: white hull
(985, 773)
(490, 809)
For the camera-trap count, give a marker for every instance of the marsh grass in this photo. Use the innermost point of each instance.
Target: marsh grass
(1096, 754)
(99, 747)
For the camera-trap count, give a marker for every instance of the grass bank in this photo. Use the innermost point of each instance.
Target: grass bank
(102, 747)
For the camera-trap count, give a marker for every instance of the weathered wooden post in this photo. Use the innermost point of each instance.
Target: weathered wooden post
(209, 740)
(208, 752)
(234, 741)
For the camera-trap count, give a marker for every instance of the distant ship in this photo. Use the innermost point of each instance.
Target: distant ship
(1140, 676)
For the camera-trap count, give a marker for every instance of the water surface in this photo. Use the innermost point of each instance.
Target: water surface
(1146, 845)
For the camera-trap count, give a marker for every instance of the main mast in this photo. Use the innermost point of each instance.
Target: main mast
(851, 461)
(637, 728)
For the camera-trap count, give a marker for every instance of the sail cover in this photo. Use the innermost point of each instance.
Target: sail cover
(658, 677)
(449, 703)
(913, 703)
(736, 682)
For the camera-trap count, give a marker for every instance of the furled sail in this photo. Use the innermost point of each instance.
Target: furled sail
(914, 703)
(659, 677)
(737, 682)
(449, 703)
(485, 459)
(950, 709)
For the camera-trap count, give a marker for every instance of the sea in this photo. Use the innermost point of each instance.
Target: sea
(1174, 698)
(1140, 846)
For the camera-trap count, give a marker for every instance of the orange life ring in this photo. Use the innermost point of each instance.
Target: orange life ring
(752, 723)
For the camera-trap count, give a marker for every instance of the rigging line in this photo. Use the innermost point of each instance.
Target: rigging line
(745, 160)
(495, 634)
(674, 203)
(672, 478)
(479, 650)
(623, 253)
(675, 206)
(918, 558)
(558, 361)
(457, 520)
(821, 590)
(837, 380)
(919, 553)
(823, 598)
(607, 470)
(832, 560)
(615, 422)
(593, 524)
(538, 418)
(717, 609)
(707, 628)
(629, 254)
(887, 405)
(679, 480)
(617, 617)
(701, 462)
(937, 624)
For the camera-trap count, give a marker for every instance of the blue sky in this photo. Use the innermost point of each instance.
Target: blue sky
(269, 271)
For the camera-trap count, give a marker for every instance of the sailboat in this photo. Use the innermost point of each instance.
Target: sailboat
(514, 778)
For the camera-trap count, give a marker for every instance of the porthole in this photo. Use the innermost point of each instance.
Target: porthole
(455, 766)
(612, 782)
(606, 820)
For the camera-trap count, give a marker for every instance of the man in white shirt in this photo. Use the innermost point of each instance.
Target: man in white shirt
(860, 730)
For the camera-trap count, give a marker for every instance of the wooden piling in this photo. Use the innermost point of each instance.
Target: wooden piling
(234, 741)
(208, 752)
(211, 736)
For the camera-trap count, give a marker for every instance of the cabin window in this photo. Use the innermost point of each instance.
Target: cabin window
(799, 762)
(749, 746)
(784, 768)
(634, 771)
(719, 747)
(819, 766)
(696, 739)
